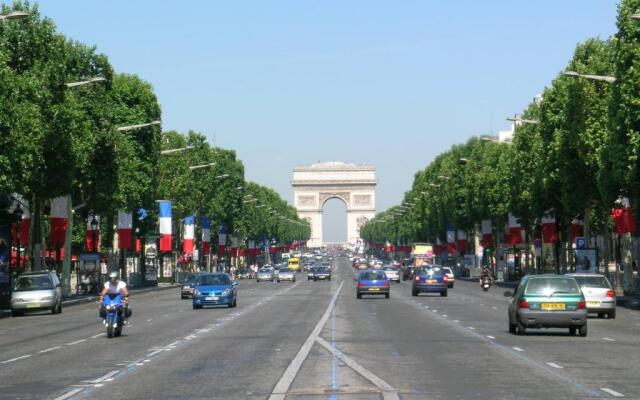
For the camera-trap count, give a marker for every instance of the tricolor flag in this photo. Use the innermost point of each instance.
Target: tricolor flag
(487, 233)
(462, 241)
(93, 233)
(25, 223)
(451, 239)
(576, 228)
(164, 222)
(222, 240)
(125, 230)
(188, 235)
(206, 235)
(515, 231)
(59, 210)
(549, 228)
(252, 248)
(234, 246)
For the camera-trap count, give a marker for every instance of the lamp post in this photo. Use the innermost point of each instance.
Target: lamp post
(94, 230)
(605, 78)
(139, 126)
(86, 82)
(14, 15)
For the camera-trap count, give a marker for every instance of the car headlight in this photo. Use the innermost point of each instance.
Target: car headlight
(186, 287)
(196, 292)
(226, 292)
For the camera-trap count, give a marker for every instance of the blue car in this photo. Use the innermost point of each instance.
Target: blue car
(373, 282)
(215, 289)
(431, 279)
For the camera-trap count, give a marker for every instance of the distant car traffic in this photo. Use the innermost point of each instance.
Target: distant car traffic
(265, 274)
(322, 273)
(372, 282)
(286, 274)
(214, 289)
(393, 274)
(548, 301)
(598, 293)
(432, 279)
(186, 290)
(310, 272)
(36, 291)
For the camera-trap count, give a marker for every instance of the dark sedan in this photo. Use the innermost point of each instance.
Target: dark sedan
(322, 273)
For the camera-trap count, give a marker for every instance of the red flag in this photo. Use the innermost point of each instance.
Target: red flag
(576, 229)
(623, 219)
(59, 221)
(549, 230)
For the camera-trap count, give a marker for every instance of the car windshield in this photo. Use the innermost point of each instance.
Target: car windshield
(285, 270)
(265, 270)
(372, 275)
(593, 282)
(551, 286)
(37, 282)
(214, 280)
(323, 269)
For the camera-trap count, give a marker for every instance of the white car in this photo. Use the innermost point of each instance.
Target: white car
(392, 274)
(598, 294)
(450, 277)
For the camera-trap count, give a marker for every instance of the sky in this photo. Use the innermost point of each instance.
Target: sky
(390, 83)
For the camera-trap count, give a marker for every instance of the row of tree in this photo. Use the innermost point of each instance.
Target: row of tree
(574, 152)
(69, 126)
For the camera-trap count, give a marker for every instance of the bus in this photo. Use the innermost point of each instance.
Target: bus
(294, 264)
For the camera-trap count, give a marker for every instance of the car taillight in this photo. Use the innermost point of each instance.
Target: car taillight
(582, 305)
(523, 304)
(417, 279)
(386, 284)
(611, 293)
(445, 278)
(360, 284)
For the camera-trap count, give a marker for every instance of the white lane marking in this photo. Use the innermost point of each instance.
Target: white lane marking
(554, 365)
(76, 342)
(455, 320)
(608, 339)
(190, 337)
(434, 310)
(166, 315)
(612, 392)
(494, 307)
(445, 315)
(517, 349)
(426, 306)
(388, 391)
(150, 319)
(174, 344)
(98, 335)
(49, 349)
(472, 328)
(491, 337)
(104, 377)
(282, 387)
(15, 359)
(69, 394)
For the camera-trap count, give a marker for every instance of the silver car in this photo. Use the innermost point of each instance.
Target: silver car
(265, 274)
(392, 274)
(36, 291)
(286, 274)
(598, 293)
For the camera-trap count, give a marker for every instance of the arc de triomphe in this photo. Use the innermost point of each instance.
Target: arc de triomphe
(354, 184)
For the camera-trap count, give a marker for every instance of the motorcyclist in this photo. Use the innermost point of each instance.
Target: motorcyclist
(115, 286)
(486, 275)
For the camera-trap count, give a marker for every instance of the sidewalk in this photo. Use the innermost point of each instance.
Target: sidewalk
(75, 300)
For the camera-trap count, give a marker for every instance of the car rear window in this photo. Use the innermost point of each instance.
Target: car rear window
(550, 286)
(593, 282)
(214, 280)
(34, 282)
(372, 276)
(431, 270)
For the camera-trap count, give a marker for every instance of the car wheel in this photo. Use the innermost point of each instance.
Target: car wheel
(414, 292)
(387, 295)
(15, 313)
(572, 330)
(451, 286)
(54, 309)
(583, 330)
(196, 307)
(520, 329)
(358, 295)
(612, 314)
(60, 308)
(444, 294)
(512, 327)
(182, 297)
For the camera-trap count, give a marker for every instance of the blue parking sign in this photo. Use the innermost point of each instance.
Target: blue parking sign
(581, 243)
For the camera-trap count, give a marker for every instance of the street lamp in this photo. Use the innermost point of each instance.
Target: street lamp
(463, 161)
(14, 15)
(94, 225)
(519, 120)
(86, 82)
(635, 16)
(222, 176)
(435, 185)
(444, 177)
(132, 127)
(194, 167)
(605, 78)
(171, 151)
(250, 201)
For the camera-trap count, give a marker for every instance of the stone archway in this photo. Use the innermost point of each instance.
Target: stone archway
(354, 184)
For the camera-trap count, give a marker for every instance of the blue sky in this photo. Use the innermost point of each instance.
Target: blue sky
(296, 82)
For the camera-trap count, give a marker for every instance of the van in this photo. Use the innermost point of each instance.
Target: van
(294, 264)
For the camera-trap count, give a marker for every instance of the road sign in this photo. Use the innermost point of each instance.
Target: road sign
(581, 243)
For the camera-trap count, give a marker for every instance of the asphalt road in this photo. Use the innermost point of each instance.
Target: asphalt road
(315, 340)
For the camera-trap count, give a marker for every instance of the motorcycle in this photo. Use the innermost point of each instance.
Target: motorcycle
(486, 284)
(113, 310)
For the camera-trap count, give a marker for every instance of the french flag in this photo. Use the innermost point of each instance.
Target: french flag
(451, 239)
(125, 230)
(206, 235)
(487, 235)
(234, 246)
(222, 240)
(25, 223)
(515, 231)
(164, 222)
(188, 236)
(549, 228)
(59, 220)
(462, 241)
